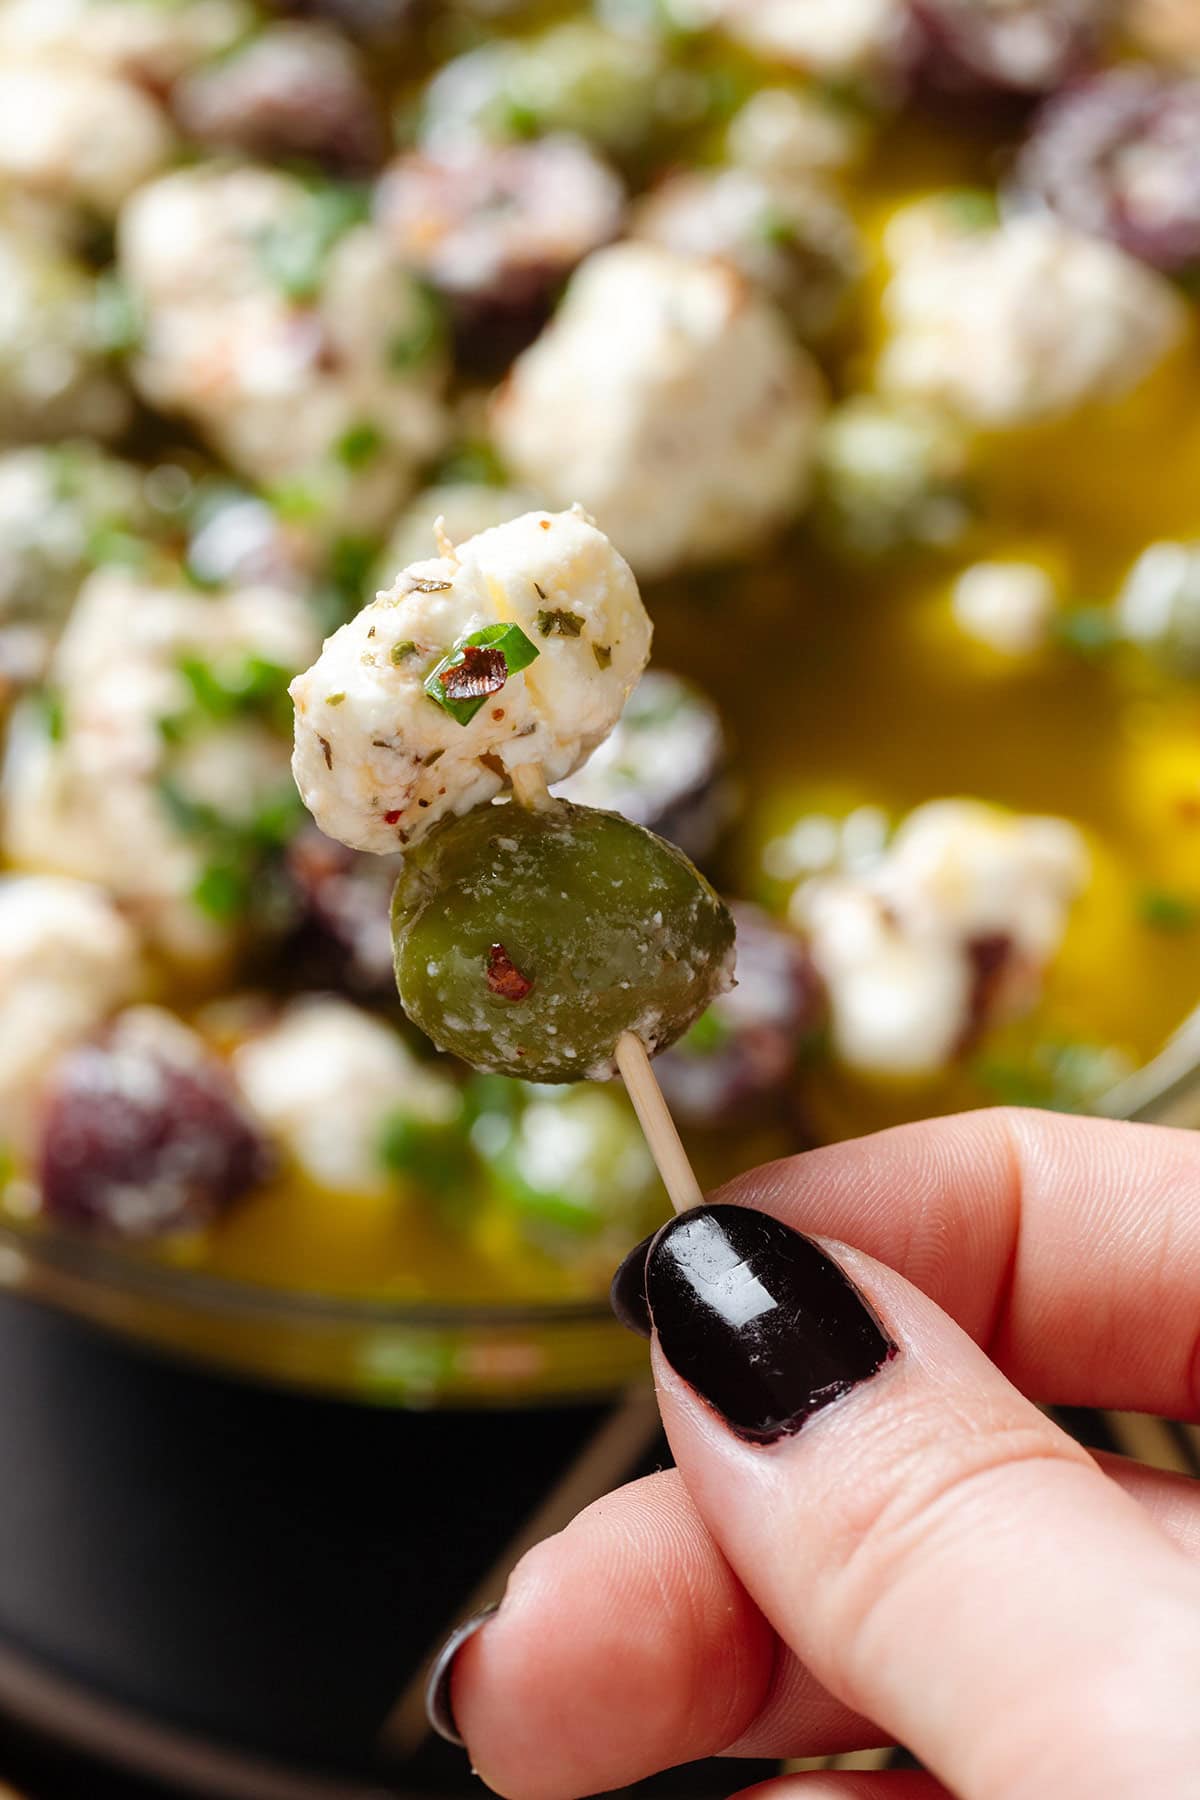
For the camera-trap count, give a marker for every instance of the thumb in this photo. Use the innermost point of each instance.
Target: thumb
(941, 1556)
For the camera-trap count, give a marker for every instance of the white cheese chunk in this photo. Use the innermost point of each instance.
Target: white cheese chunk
(701, 412)
(900, 944)
(1028, 321)
(1005, 605)
(326, 1079)
(304, 354)
(856, 38)
(90, 800)
(67, 959)
(70, 132)
(378, 761)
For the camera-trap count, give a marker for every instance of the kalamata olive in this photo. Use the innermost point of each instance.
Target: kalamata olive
(294, 90)
(1011, 46)
(1159, 606)
(740, 1054)
(528, 942)
(496, 228)
(664, 765)
(377, 22)
(347, 894)
(142, 1132)
(1119, 156)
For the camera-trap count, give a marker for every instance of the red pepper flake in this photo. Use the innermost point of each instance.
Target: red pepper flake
(392, 818)
(504, 977)
(545, 524)
(326, 750)
(482, 671)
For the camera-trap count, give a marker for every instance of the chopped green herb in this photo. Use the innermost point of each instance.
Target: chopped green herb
(359, 446)
(402, 651)
(510, 651)
(775, 229)
(1088, 630)
(108, 544)
(474, 463)
(53, 714)
(707, 1036)
(422, 338)
(295, 503)
(560, 624)
(432, 1154)
(275, 822)
(603, 655)
(116, 316)
(334, 699)
(222, 892)
(1055, 1075)
(1165, 911)
(295, 252)
(973, 208)
(252, 686)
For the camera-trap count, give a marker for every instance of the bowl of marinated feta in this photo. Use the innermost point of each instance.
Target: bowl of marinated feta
(865, 336)
(414, 360)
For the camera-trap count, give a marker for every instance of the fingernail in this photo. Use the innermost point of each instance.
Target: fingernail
(627, 1295)
(439, 1709)
(758, 1319)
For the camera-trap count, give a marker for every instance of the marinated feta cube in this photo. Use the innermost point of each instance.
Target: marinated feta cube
(67, 960)
(76, 134)
(152, 43)
(863, 39)
(327, 1079)
(950, 929)
(702, 413)
(385, 747)
(1026, 321)
(292, 337)
(163, 773)
(1005, 605)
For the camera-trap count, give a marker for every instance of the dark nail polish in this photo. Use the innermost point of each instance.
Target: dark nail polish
(627, 1295)
(438, 1707)
(758, 1319)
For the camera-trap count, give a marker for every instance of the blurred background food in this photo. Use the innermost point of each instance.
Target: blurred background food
(868, 333)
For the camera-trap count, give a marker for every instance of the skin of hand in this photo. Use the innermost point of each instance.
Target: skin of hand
(920, 1555)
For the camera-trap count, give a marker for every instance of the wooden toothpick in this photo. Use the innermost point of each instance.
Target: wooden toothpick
(641, 1083)
(662, 1134)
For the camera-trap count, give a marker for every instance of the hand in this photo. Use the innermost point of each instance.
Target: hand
(921, 1557)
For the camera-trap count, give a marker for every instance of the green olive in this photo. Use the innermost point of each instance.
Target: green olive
(527, 942)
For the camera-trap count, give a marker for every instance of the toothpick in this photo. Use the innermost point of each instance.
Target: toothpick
(529, 787)
(641, 1083)
(661, 1132)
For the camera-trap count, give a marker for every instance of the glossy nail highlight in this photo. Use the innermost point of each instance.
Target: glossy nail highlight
(756, 1318)
(439, 1709)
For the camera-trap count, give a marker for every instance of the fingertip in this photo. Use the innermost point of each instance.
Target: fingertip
(629, 1614)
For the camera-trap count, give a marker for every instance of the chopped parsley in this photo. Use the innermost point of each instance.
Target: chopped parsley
(294, 253)
(1055, 1075)
(360, 445)
(558, 623)
(423, 337)
(506, 651)
(1166, 911)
